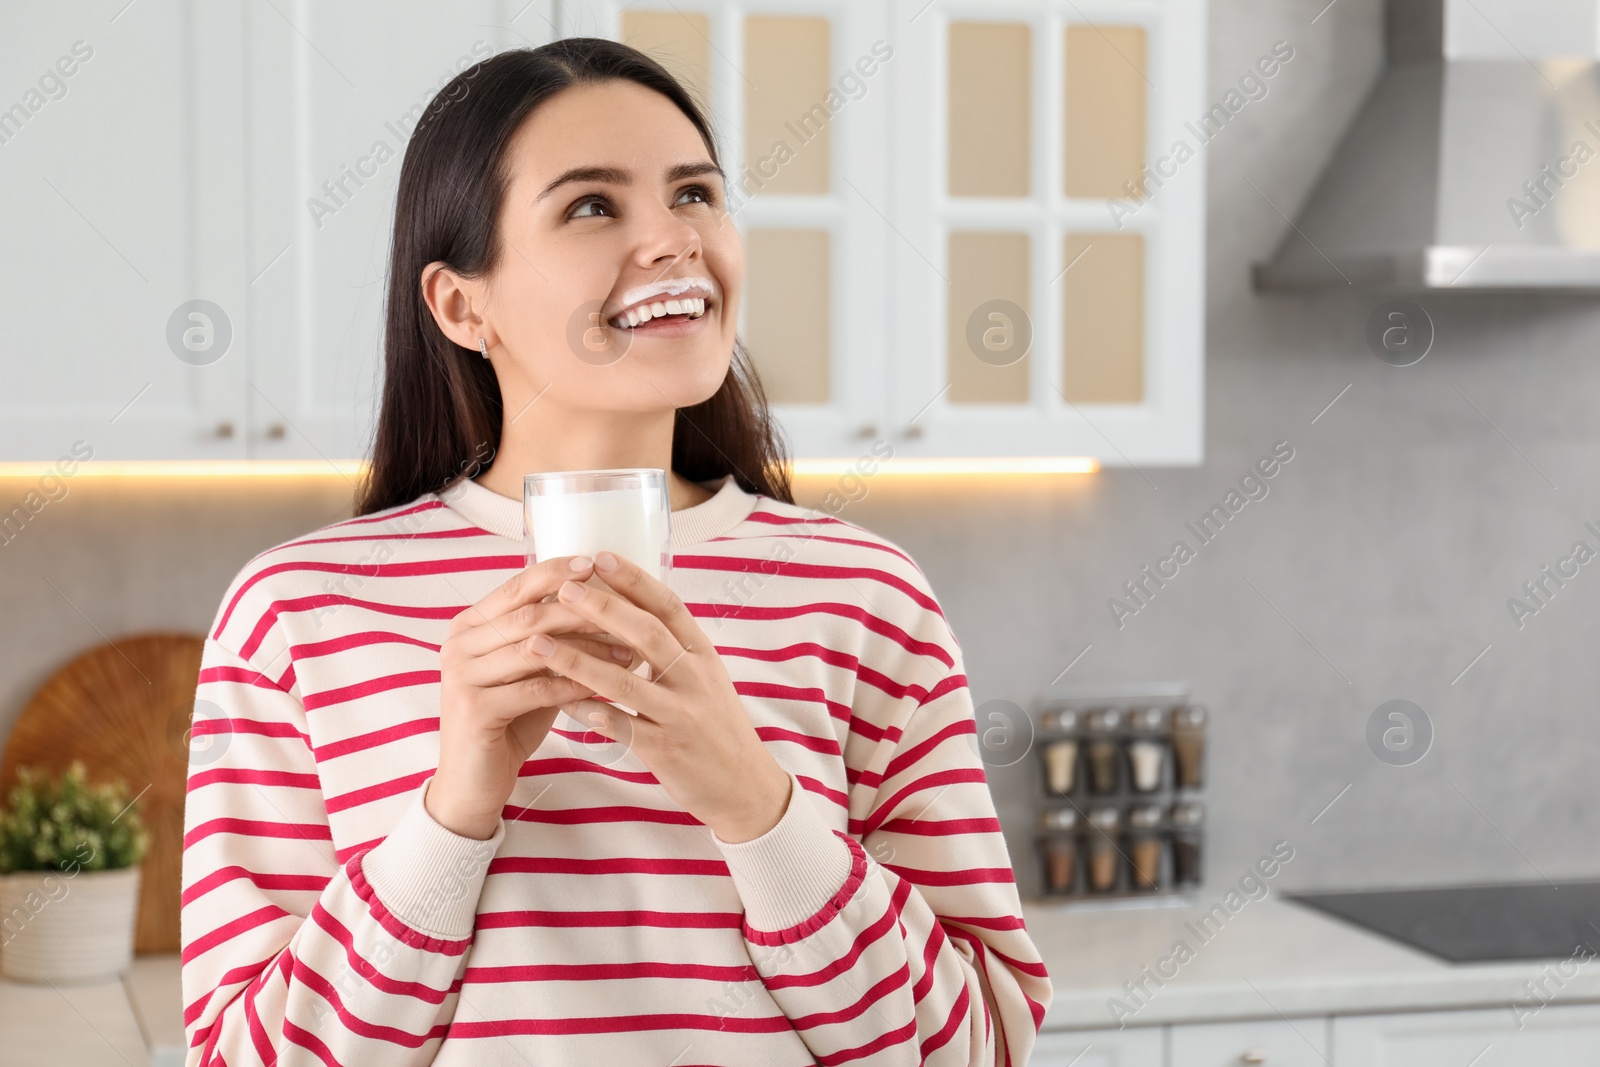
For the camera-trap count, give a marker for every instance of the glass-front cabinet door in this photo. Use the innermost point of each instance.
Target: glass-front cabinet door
(799, 97)
(1048, 264)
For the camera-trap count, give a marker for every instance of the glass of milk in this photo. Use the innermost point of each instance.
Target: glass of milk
(624, 510)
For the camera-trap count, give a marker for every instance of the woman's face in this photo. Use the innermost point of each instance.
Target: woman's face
(613, 200)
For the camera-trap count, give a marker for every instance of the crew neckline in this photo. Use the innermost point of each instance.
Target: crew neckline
(502, 515)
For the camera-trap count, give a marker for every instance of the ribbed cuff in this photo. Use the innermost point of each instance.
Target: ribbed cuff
(789, 873)
(427, 876)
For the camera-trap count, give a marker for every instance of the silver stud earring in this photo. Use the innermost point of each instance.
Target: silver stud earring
(483, 346)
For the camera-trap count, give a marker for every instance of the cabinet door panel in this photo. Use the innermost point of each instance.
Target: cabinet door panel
(334, 94)
(121, 184)
(1272, 1043)
(1085, 336)
(1133, 1047)
(1568, 1035)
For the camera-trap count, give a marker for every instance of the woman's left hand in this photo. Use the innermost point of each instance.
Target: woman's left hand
(692, 730)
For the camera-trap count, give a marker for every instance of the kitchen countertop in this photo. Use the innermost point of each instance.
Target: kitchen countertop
(1273, 958)
(137, 1020)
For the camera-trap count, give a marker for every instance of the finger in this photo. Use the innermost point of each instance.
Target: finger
(515, 661)
(607, 679)
(638, 586)
(526, 586)
(519, 624)
(631, 623)
(503, 703)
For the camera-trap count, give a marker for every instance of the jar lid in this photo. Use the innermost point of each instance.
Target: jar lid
(1105, 720)
(1190, 813)
(1058, 819)
(1189, 716)
(1145, 817)
(1105, 818)
(1060, 721)
(1148, 720)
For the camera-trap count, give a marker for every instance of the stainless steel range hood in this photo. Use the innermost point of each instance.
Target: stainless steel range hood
(1458, 175)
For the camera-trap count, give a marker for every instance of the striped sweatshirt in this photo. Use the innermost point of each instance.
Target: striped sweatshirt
(328, 919)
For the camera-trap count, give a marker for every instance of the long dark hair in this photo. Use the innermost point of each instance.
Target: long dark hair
(441, 412)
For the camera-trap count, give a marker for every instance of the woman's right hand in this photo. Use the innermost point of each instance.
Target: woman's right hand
(496, 703)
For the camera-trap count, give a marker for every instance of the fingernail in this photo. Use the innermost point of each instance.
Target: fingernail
(572, 591)
(580, 563)
(621, 655)
(606, 561)
(541, 644)
(596, 719)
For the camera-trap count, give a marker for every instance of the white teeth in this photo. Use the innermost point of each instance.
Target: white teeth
(693, 307)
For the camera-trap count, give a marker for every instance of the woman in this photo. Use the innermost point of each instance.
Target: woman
(402, 844)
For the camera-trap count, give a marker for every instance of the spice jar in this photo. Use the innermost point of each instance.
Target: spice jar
(1147, 749)
(1101, 846)
(1189, 745)
(1059, 847)
(1188, 820)
(1060, 750)
(1145, 847)
(1105, 751)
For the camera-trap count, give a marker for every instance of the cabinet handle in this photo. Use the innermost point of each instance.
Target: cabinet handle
(867, 429)
(224, 429)
(275, 432)
(1255, 1055)
(912, 431)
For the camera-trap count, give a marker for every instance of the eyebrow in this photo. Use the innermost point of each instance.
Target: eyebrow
(619, 176)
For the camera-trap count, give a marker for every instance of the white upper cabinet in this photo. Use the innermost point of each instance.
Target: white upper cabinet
(122, 189)
(332, 100)
(960, 237)
(1048, 267)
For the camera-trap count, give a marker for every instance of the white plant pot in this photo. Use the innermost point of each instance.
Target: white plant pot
(60, 927)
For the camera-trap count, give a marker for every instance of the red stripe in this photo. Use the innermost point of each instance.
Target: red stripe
(308, 883)
(420, 991)
(227, 931)
(362, 742)
(667, 920)
(940, 827)
(324, 600)
(967, 876)
(606, 972)
(941, 1038)
(368, 687)
(866, 1000)
(718, 610)
(608, 865)
(907, 757)
(236, 674)
(776, 568)
(411, 569)
(250, 776)
(219, 727)
(927, 781)
(366, 795)
(306, 831)
(362, 639)
(618, 1024)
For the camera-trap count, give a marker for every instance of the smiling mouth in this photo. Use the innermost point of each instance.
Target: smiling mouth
(677, 309)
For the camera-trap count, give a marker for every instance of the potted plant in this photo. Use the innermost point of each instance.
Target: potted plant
(69, 878)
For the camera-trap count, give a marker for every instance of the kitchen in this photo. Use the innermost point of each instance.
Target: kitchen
(1384, 631)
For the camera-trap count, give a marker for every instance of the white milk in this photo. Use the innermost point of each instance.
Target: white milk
(628, 522)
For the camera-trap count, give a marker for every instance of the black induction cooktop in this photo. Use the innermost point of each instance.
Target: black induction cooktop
(1464, 924)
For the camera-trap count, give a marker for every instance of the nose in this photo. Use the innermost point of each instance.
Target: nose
(666, 239)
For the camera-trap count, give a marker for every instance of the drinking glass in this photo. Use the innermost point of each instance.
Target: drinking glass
(624, 510)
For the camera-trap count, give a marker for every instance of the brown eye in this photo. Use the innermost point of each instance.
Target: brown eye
(578, 212)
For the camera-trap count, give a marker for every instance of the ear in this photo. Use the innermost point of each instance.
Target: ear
(457, 304)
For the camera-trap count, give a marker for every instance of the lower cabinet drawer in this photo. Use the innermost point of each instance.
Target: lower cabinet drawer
(1274, 1043)
(1132, 1047)
(1564, 1035)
